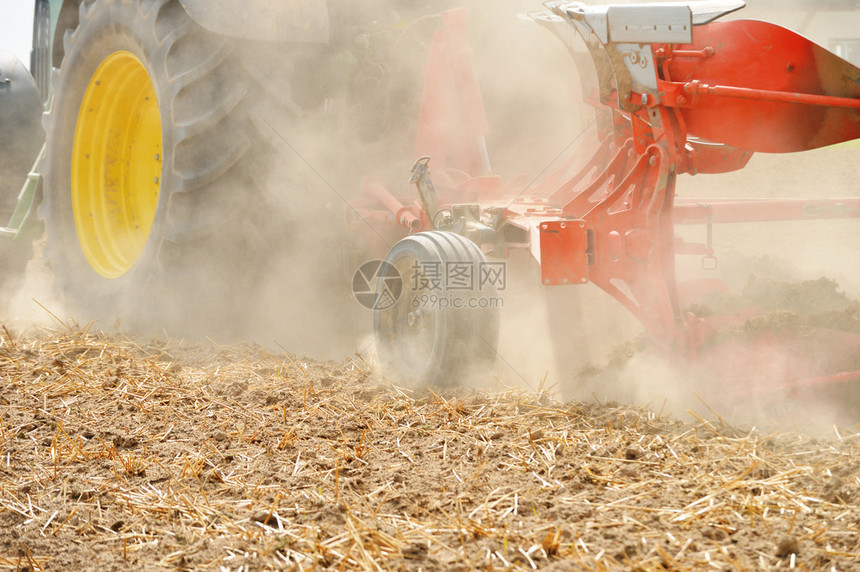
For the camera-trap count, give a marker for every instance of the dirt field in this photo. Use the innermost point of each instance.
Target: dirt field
(118, 454)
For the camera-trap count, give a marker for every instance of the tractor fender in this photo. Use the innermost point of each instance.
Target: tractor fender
(303, 21)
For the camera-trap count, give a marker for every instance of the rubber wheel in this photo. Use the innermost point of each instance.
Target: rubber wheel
(434, 333)
(149, 195)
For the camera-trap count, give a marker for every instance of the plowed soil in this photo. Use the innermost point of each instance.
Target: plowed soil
(118, 454)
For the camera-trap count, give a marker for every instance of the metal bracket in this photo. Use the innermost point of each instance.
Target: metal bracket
(466, 220)
(25, 202)
(650, 23)
(438, 217)
(564, 256)
(709, 260)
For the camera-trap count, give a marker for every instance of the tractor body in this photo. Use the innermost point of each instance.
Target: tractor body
(155, 112)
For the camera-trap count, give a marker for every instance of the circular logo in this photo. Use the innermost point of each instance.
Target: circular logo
(377, 285)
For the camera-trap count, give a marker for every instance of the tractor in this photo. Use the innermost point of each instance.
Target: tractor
(153, 182)
(152, 188)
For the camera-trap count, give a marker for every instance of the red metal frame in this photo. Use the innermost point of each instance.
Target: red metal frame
(796, 94)
(740, 87)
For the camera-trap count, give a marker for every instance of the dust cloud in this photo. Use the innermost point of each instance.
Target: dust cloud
(528, 87)
(334, 114)
(322, 118)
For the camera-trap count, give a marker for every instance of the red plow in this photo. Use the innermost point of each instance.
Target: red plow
(676, 91)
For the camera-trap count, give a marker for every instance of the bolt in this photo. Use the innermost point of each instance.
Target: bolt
(644, 99)
(155, 180)
(564, 280)
(546, 280)
(563, 225)
(682, 100)
(157, 157)
(652, 160)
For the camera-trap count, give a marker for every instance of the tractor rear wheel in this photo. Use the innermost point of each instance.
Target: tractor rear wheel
(148, 187)
(444, 325)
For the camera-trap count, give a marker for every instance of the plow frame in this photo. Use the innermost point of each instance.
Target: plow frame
(675, 93)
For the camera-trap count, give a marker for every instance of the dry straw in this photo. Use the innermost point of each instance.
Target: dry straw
(123, 453)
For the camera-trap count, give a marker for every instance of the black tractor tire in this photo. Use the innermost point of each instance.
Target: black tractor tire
(200, 259)
(433, 334)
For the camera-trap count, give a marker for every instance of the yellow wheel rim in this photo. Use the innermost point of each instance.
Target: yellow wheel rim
(116, 164)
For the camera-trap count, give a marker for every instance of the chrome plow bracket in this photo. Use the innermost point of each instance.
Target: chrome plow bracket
(635, 23)
(649, 24)
(620, 39)
(656, 22)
